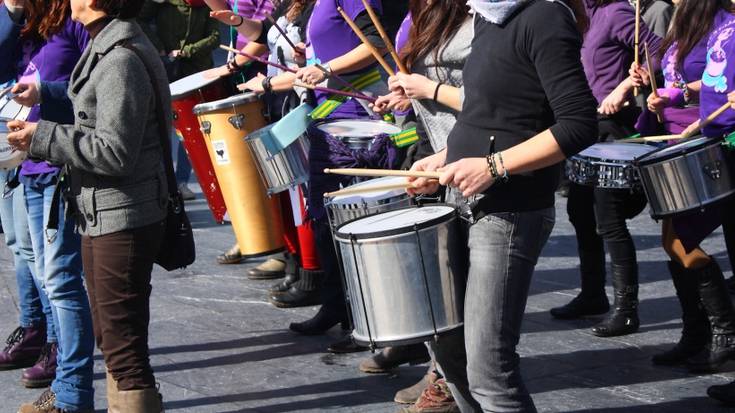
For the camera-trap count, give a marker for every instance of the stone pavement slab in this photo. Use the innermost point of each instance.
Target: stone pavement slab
(218, 346)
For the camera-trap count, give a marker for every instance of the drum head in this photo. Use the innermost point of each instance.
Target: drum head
(183, 87)
(230, 102)
(677, 149)
(371, 196)
(10, 110)
(616, 151)
(358, 128)
(395, 222)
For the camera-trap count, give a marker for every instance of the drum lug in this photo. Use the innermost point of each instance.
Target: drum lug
(206, 127)
(237, 121)
(175, 115)
(712, 170)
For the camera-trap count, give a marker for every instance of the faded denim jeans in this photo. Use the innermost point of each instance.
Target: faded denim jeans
(481, 366)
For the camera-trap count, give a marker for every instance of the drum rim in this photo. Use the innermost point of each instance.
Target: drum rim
(396, 231)
(315, 126)
(649, 159)
(175, 96)
(580, 157)
(228, 102)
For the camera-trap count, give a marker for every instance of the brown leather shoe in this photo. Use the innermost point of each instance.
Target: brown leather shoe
(392, 357)
(409, 395)
(233, 256)
(435, 399)
(269, 270)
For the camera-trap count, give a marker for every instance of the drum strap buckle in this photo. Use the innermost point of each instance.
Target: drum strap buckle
(237, 121)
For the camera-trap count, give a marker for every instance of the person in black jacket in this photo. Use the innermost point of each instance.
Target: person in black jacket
(503, 160)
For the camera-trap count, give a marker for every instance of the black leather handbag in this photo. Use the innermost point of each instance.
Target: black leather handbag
(177, 248)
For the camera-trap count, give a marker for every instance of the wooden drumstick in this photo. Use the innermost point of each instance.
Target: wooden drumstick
(368, 189)
(257, 59)
(337, 77)
(636, 41)
(335, 91)
(366, 42)
(659, 138)
(383, 35)
(382, 172)
(706, 121)
(283, 32)
(652, 76)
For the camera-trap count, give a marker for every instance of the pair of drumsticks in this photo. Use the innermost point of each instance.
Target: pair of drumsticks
(377, 173)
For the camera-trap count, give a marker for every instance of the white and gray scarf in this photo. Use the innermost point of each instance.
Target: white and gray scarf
(498, 11)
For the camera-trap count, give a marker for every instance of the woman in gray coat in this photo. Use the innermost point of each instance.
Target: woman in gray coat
(116, 183)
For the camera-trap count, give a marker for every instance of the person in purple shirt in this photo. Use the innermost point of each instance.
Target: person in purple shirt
(52, 46)
(696, 275)
(598, 214)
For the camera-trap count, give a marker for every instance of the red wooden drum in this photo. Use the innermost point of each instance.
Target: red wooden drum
(185, 94)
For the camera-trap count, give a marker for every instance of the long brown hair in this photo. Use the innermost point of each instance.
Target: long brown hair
(45, 18)
(693, 20)
(433, 26)
(580, 14)
(296, 8)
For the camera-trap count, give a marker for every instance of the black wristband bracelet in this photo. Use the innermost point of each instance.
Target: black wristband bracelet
(242, 20)
(267, 87)
(436, 91)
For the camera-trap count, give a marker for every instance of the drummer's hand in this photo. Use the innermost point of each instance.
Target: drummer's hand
(27, 94)
(470, 175)
(416, 86)
(174, 54)
(311, 75)
(613, 103)
(431, 163)
(390, 102)
(639, 75)
(217, 72)
(657, 104)
(227, 17)
(731, 99)
(21, 135)
(299, 54)
(255, 84)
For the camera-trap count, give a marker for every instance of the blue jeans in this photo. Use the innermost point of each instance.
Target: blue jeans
(183, 165)
(484, 373)
(59, 262)
(32, 300)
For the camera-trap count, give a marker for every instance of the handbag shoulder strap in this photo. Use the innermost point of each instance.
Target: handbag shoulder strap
(173, 189)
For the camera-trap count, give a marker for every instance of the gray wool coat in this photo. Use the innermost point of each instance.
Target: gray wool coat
(112, 151)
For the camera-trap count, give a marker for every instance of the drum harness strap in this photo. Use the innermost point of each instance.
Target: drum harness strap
(335, 101)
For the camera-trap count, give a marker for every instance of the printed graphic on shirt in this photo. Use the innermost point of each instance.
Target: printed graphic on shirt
(672, 76)
(714, 74)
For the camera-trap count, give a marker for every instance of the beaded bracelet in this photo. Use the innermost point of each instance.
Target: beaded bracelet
(491, 167)
(505, 177)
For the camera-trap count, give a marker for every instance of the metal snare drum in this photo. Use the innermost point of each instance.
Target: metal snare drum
(281, 151)
(607, 165)
(344, 208)
(687, 176)
(401, 286)
(355, 133)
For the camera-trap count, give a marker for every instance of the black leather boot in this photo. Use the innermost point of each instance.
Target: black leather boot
(624, 319)
(302, 293)
(320, 323)
(285, 284)
(719, 308)
(592, 300)
(695, 331)
(724, 393)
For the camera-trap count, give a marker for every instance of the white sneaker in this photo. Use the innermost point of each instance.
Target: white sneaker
(186, 193)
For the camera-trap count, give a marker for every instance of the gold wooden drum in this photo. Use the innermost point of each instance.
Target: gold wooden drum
(256, 218)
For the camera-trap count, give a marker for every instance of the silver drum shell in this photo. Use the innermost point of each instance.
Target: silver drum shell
(602, 173)
(392, 302)
(282, 170)
(341, 213)
(688, 182)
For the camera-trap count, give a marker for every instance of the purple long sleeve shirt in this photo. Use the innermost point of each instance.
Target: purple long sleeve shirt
(718, 78)
(49, 61)
(607, 51)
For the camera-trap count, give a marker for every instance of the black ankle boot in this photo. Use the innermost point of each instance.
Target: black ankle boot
(592, 300)
(285, 284)
(719, 308)
(302, 293)
(624, 319)
(724, 393)
(696, 331)
(319, 324)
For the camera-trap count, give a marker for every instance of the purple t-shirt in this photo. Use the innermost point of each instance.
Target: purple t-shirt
(51, 61)
(250, 9)
(330, 37)
(608, 45)
(403, 32)
(718, 78)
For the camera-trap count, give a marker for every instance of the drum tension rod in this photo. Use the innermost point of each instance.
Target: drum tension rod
(426, 281)
(372, 346)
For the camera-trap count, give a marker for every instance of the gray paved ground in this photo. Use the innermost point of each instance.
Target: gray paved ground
(217, 346)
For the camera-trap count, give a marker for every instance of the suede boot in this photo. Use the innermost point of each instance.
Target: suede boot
(719, 308)
(113, 398)
(696, 330)
(624, 319)
(140, 401)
